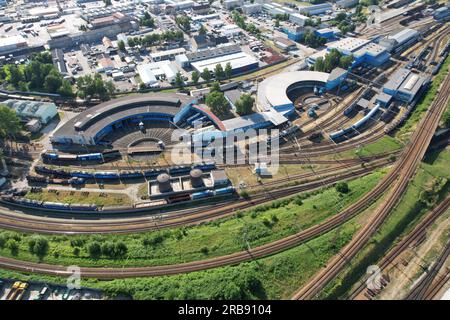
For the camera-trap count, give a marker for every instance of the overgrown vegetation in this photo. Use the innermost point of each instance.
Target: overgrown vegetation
(38, 74)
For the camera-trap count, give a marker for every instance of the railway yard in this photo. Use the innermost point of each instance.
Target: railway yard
(333, 185)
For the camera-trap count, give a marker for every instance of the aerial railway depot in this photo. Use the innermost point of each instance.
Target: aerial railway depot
(186, 115)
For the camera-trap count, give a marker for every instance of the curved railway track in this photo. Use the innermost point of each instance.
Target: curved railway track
(406, 243)
(30, 223)
(432, 282)
(404, 168)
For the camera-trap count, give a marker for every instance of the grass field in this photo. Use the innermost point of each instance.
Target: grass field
(82, 197)
(263, 224)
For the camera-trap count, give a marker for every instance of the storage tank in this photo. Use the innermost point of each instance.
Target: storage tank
(196, 178)
(164, 183)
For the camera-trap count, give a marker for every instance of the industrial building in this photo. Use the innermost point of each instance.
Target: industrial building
(328, 33)
(232, 4)
(316, 8)
(403, 85)
(166, 55)
(273, 92)
(90, 126)
(400, 41)
(364, 51)
(26, 110)
(58, 61)
(298, 19)
(442, 13)
(12, 43)
(240, 62)
(296, 33)
(284, 44)
(252, 8)
(212, 53)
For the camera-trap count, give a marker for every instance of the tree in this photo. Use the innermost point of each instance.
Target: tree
(38, 245)
(215, 87)
(228, 70)
(195, 77)
(121, 45)
(346, 62)
(319, 65)
(13, 74)
(244, 105)
(342, 187)
(219, 74)
(9, 122)
(216, 102)
(94, 249)
(66, 89)
(178, 80)
(13, 246)
(277, 23)
(147, 20)
(131, 42)
(107, 3)
(206, 74)
(202, 30)
(183, 22)
(53, 81)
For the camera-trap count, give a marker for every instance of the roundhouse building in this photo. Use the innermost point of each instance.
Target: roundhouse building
(90, 126)
(273, 92)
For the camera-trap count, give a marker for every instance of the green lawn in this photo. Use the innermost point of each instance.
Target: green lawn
(263, 224)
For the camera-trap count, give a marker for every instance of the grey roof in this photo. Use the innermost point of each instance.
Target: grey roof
(212, 53)
(91, 121)
(404, 35)
(396, 79)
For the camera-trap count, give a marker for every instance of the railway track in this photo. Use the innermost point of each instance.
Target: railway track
(404, 168)
(429, 285)
(407, 242)
(31, 223)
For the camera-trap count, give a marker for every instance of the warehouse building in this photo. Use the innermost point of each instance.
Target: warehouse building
(252, 8)
(213, 53)
(273, 92)
(240, 62)
(404, 85)
(232, 4)
(90, 126)
(400, 41)
(166, 55)
(26, 110)
(328, 33)
(317, 8)
(298, 19)
(364, 51)
(146, 75)
(11, 44)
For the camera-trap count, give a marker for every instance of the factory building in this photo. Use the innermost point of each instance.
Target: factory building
(400, 41)
(252, 8)
(166, 55)
(212, 53)
(11, 44)
(364, 51)
(232, 4)
(317, 8)
(58, 61)
(298, 19)
(442, 13)
(346, 3)
(404, 85)
(240, 62)
(296, 33)
(26, 110)
(328, 33)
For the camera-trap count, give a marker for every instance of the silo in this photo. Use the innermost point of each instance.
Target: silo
(164, 183)
(196, 178)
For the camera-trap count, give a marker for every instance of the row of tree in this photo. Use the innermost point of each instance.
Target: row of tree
(151, 39)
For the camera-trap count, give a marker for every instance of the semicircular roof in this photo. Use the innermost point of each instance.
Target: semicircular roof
(272, 91)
